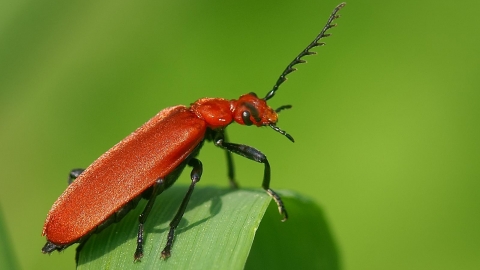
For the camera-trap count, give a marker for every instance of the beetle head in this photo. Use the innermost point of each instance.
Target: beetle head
(251, 110)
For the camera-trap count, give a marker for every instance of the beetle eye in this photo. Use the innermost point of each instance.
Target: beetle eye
(246, 118)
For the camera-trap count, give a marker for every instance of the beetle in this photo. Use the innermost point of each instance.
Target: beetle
(150, 160)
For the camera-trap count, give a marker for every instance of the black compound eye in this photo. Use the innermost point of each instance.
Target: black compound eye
(246, 118)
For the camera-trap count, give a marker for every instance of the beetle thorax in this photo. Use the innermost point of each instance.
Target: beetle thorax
(215, 111)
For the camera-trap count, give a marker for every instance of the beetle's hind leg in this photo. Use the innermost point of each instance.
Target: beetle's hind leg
(74, 174)
(50, 247)
(195, 175)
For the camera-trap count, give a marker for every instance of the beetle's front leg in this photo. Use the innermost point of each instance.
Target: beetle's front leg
(255, 155)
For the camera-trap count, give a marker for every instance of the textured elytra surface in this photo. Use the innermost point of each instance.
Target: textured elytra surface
(123, 172)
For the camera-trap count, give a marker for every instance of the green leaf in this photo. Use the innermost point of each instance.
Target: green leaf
(303, 242)
(217, 232)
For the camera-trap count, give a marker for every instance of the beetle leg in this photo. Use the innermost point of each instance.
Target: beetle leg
(158, 188)
(195, 175)
(230, 168)
(74, 174)
(255, 155)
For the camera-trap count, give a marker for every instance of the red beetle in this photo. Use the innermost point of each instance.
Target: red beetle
(150, 160)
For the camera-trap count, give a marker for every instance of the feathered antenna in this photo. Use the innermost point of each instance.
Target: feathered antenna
(306, 51)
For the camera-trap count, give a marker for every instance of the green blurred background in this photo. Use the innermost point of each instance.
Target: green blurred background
(385, 117)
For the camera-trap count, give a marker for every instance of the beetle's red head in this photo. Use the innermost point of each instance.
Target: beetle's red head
(251, 110)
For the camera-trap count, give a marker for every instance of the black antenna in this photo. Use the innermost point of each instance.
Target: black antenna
(306, 51)
(284, 107)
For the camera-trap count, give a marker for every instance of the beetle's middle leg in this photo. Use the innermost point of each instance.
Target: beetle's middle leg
(195, 175)
(158, 188)
(230, 168)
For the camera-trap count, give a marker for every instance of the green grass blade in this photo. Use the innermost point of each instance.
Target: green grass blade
(8, 259)
(217, 232)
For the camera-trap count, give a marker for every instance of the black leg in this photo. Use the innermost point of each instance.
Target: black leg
(195, 175)
(230, 167)
(255, 155)
(158, 188)
(74, 174)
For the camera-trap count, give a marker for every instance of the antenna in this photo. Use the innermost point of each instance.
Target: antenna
(306, 51)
